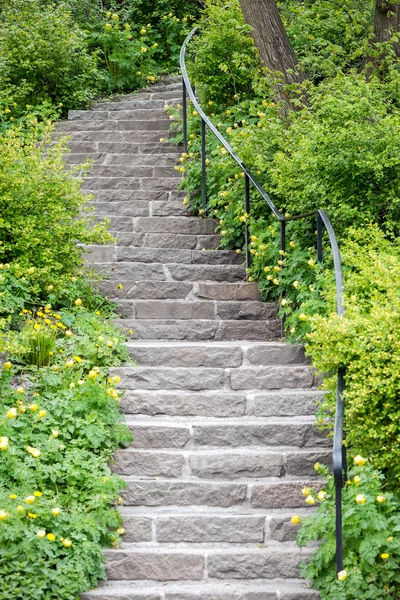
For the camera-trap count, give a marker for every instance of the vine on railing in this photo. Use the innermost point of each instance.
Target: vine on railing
(339, 452)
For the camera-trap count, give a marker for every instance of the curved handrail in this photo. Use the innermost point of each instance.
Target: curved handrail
(339, 453)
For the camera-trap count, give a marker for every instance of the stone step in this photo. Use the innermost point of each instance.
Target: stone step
(127, 161)
(165, 240)
(176, 225)
(142, 208)
(217, 354)
(138, 114)
(125, 148)
(128, 105)
(184, 309)
(121, 125)
(180, 564)
(92, 184)
(222, 403)
(111, 196)
(114, 136)
(244, 494)
(112, 254)
(223, 463)
(201, 329)
(197, 526)
(170, 271)
(161, 87)
(207, 378)
(102, 169)
(204, 590)
(189, 434)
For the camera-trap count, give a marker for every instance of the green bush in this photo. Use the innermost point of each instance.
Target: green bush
(44, 57)
(371, 547)
(40, 200)
(365, 342)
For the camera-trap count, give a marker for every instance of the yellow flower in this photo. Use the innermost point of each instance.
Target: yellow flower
(41, 533)
(12, 413)
(7, 366)
(120, 286)
(3, 515)
(275, 281)
(303, 317)
(120, 530)
(3, 443)
(238, 251)
(33, 407)
(110, 344)
(32, 515)
(69, 364)
(310, 262)
(143, 49)
(80, 382)
(38, 494)
(13, 496)
(359, 460)
(20, 390)
(77, 359)
(55, 511)
(51, 537)
(267, 269)
(68, 333)
(250, 279)
(224, 232)
(385, 556)
(380, 499)
(115, 17)
(78, 302)
(342, 575)
(296, 285)
(390, 538)
(20, 508)
(30, 499)
(321, 496)
(42, 413)
(310, 500)
(127, 26)
(143, 31)
(92, 374)
(54, 433)
(283, 302)
(66, 543)
(296, 520)
(360, 499)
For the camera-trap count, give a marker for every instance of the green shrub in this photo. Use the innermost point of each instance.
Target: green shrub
(371, 547)
(40, 200)
(365, 341)
(44, 54)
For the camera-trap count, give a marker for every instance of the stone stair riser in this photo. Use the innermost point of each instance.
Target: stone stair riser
(170, 271)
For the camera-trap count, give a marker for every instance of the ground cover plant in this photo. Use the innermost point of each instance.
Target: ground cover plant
(59, 408)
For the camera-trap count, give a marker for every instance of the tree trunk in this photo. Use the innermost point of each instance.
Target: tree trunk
(387, 22)
(271, 38)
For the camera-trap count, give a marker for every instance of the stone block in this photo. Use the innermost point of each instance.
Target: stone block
(302, 463)
(160, 183)
(187, 355)
(276, 354)
(209, 404)
(264, 378)
(174, 309)
(246, 310)
(286, 403)
(168, 240)
(121, 171)
(184, 493)
(132, 271)
(159, 290)
(153, 255)
(261, 564)
(248, 330)
(281, 495)
(179, 225)
(169, 209)
(156, 565)
(137, 529)
(199, 529)
(110, 183)
(148, 464)
(125, 209)
(227, 291)
(165, 378)
(153, 436)
(223, 594)
(216, 257)
(255, 434)
(160, 329)
(206, 272)
(137, 125)
(283, 530)
(234, 465)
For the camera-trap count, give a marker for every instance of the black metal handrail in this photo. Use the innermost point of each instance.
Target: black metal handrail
(339, 451)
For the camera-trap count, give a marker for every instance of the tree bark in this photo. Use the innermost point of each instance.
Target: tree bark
(387, 22)
(271, 38)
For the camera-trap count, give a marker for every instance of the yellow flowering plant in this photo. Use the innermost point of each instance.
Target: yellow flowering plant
(371, 537)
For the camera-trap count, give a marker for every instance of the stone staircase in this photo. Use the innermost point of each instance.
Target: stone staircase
(221, 410)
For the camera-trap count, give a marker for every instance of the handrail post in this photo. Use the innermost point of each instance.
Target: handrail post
(319, 238)
(184, 111)
(246, 226)
(203, 166)
(283, 249)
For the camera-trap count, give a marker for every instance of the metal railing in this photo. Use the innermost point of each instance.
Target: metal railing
(339, 451)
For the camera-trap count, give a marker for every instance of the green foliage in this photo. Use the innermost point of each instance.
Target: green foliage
(365, 341)
(40, 200)
(127, 58)
(59, 427)
(223, 60)
(43, 57)
(371, 546)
